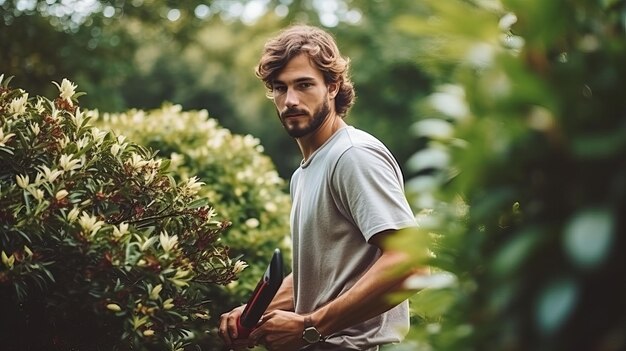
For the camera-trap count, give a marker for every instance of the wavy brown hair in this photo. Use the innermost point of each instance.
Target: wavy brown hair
(321, 48)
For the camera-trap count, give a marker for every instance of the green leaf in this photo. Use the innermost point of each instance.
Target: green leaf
(598, 146)
(26, 202)
(588, 237)
(165, 165)
(513, 255)
(555, 304)
(7, 150)
(198, 203)
(433, 303)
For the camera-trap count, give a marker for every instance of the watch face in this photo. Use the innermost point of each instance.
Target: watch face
(311, 335)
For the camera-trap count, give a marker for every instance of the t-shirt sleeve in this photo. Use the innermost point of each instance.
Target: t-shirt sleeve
(368, 188)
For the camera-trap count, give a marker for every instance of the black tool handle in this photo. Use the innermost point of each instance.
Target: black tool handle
(263, 294)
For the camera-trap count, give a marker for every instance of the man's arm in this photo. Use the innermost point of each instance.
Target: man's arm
(366, 299)
(284, 296)
(369, 296)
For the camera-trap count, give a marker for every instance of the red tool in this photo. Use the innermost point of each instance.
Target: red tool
(263, 294)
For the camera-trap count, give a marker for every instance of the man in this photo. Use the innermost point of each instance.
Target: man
(347, 198)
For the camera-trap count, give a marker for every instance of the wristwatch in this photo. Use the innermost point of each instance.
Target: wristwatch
(310, 334)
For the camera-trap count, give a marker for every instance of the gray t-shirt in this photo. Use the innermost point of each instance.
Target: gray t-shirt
(350, 189)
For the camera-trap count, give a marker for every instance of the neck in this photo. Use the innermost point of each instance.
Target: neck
(310, 143)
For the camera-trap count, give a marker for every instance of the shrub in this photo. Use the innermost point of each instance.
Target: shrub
(101, 247)
(241, 181)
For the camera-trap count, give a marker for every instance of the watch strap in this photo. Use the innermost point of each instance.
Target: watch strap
(308, 328)
(308, 322)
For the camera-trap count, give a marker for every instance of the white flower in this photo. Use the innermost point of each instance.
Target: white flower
(61, 194)
(98, 135)
(136, 162)
(68, 163)
(450, 100)
(149, 177)
(5, 138)
(22, 181)
(78, 117)
(252, 222)
(90, 224)
(168, 242)
(48, 174)
(37, 193)
(120, 231)
(119, 146)
(64, 142)
(115, 149)
(34, 127)
(271, 207)
(18, 105)
(507, 21)
(80, 144)
(55, 113)
(155, 164)
(239, 266)
(176, 160)
(39, 105)
(192, 186)
(481, 55)
(211, 213)
(67, 89)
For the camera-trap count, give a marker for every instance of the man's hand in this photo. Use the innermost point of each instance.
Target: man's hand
(228, 330)
(280, 331)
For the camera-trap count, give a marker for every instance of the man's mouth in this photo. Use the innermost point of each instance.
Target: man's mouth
(290, 114)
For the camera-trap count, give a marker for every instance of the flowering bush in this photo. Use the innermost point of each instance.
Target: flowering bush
(240, 179)
(101, 247)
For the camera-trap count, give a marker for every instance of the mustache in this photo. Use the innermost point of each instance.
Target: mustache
(291, 112)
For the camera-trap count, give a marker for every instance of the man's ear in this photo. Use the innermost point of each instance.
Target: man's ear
(333, 89)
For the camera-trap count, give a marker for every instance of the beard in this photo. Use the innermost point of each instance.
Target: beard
(319, 116)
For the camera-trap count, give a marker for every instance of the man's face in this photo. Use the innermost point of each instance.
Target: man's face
(301, 97)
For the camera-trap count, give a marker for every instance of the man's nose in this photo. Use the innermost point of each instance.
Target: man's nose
(291, 98)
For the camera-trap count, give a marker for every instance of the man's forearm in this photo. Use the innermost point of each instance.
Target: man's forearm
(284, 297)
(367, 298)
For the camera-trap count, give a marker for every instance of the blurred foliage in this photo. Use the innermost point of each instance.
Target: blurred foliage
(201, 55)
(240, 181)
(522, 178)
(101, 247)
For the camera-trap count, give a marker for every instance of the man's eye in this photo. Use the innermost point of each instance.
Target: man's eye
(278, 89)
(305, 85)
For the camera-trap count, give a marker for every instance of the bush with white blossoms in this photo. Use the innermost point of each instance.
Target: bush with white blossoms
(101, 247)
(240, 179)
